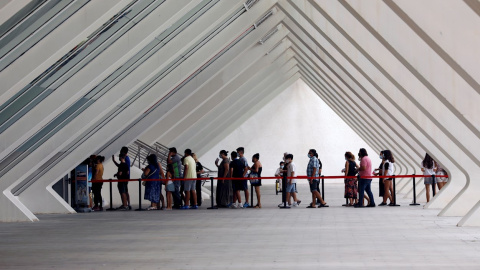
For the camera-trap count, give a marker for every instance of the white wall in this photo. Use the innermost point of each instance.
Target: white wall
(295, 121)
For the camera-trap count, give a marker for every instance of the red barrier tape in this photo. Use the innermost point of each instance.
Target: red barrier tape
(266, 178)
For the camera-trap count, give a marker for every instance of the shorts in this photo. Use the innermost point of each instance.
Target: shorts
(239, 185)
(314, 185)
(122, 187)
(171, 187)
(189, 185)
(428, 180)
(291, 188)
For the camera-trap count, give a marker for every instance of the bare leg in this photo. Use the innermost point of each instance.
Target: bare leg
(257, 191)
(169, 200)
(247, 194)
(239, 197)
(288, 197)
(427, 189)
(187, 198)
(318, 196)
(194, 195)
(124, 199)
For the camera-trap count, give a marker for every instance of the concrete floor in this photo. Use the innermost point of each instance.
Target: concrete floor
(268, 238)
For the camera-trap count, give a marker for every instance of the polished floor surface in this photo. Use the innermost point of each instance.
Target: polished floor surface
(268, 238)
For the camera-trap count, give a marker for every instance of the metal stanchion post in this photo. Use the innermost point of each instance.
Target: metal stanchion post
(111, 198)
(414, 193)
(394, 193)
(139, 196)
(433, 184)
(211, 194)
(284, 193)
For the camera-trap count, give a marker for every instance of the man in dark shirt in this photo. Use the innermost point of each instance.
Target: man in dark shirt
(123, 173)
(237, 170)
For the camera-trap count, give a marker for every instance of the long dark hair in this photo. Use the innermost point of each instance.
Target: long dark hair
(362, 153)
(427, 161)
(152, 160)
(387, 154)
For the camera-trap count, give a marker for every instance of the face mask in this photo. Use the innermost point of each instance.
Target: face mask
(346, 158)
(283, 158)
(309, 156)
(289, 160)
(219, 156)
(359, 159)
(381, 157)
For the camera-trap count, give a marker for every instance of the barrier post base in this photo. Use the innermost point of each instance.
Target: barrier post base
(211, 195)
(413, 204)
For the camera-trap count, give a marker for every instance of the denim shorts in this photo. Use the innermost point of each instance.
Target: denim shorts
(171, 187)
(313, 185)
(189, 185)
(122, 187)
(291, 188)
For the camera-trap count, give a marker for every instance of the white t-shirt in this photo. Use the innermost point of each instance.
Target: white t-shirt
(278, 172)
(429, 171)
(391, 167)
(290, 169)
(192, 167)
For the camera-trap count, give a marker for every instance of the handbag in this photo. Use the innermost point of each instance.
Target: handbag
(254, 181)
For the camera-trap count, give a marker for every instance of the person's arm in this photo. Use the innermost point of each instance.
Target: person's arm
(169, 158)
(231, 172)
(114, 161)
(362, 168)
(162, 174)
(291, 175)
(314, 172)
(347, 165)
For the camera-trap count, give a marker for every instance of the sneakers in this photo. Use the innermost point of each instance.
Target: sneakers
(239, 206)
(298, 202)
(295, 204)
(194, 207)
(245, 205)
(371, 205)
(185, 207)
(122, 208)
(231, 205)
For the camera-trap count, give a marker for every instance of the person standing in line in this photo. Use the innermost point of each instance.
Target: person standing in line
(169, 187)
(441, 181)
(189, 185)
(153, 189)
(122, 174)
(124, 151)
(240, 152)
(224, 191)
(255, 172)
(97, 187)
(237, 170)
(365, 181)
(291, 168)
(388, 169)
(198, 185)
(278, 174)
(174, 159)
(428, 168)
(379, 171)
(313, 168)
(351, 188)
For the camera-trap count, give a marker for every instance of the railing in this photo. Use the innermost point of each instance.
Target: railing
(284, 182)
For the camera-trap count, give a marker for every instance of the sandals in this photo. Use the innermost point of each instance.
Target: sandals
(323, 205)
(257, 206)
(151, 208)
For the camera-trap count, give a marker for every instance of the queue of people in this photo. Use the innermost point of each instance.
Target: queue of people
(186, 194)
